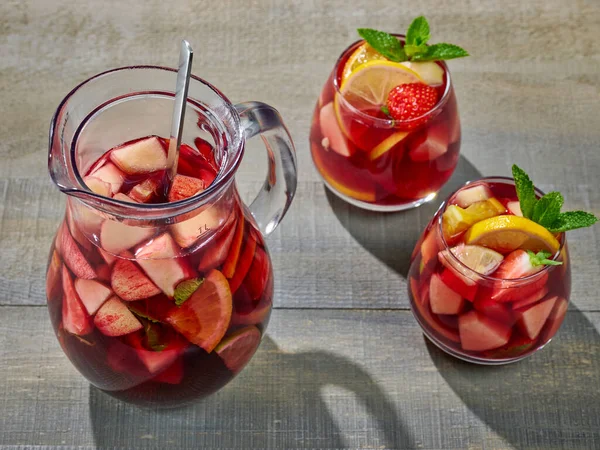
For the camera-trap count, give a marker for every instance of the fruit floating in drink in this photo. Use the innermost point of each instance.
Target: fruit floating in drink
(385, 133)
(490, 278)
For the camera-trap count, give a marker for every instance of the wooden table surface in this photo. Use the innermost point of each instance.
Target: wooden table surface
(343, 364)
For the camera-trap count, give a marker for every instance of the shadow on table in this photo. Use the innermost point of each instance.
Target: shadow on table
(275, 402)
(391, 237)
(550, 400)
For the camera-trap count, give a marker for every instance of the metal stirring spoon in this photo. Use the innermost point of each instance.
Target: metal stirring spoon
(186, 55)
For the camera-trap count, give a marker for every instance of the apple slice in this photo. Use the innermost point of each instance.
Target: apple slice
(109, 173)
(478, 332)
(237, 349)
(259, 274)
(172, 374)
(114, 319)
(531, 319)
(71, 254)
(330, 128)
(104, 273)
(555, 319)
(98, 186)
(184, 187)
(144, 191)
(92, 294)
(515, 347)
(213, 256)
(442, 298)
(117, 237)
(124, 198)
(204, 318)
(514, 208)
(429, 71)
(234, 250)
(254, 316)
(244, 263)
(500, 312)
(75, 319)
(469, 195)
(160, 360)
(187, 232)
(53, 274)
(143, 156)
(533, 298)
(161, 261)
(130, 283)
(457, 282)
(432, 145)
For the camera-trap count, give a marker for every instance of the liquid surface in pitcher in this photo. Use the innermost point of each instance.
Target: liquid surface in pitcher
(149, 314)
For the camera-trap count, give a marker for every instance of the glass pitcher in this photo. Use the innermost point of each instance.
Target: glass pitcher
(161, 302)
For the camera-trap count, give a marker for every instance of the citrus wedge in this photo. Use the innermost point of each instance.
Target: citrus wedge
(456, 219)
(386, 145)
(361, 55)
(507, 233)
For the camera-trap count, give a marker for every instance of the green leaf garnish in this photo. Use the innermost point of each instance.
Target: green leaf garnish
(415, 48)
(144, 315)
(547, 209)
(153, 337)
(525, 191)
(571, 220)
(385, 110)
(541, 259)
(185, 289)
(384, 43)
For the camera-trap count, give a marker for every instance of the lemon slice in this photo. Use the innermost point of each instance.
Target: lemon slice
(361, 55)
(456, 219)
(386, 145)
(507, 233)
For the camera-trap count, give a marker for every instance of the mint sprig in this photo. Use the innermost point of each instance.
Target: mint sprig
(546, 210)
(541, 259)
(415, 48)
(185, 289)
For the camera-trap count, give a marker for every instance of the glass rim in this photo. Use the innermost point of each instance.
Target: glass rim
(468, 272)
(390, 123)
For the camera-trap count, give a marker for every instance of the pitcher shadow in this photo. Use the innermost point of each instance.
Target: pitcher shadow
(277, 401)
(391, 237)
(549, 400)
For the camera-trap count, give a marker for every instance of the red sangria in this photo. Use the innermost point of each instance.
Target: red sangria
(490, 278)
(385, 133)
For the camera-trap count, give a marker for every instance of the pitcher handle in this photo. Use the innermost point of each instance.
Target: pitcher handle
(275, 197)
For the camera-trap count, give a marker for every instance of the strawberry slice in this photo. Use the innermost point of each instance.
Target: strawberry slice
(518, 264)
(531, 319)
(130, 283)
(207, 151)
(74, 317)
(478, 332)
(411, 100)
(456, 282)
(442, 298)
(71, 254)
(184, 187)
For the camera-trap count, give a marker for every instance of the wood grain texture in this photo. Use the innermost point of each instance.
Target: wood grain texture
(321, 379)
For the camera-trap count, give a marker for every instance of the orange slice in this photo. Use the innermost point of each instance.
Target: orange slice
(386, 145)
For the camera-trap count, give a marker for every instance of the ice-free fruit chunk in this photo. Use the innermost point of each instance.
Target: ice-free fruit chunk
(455, 219)
(531, 319)
(518, 264)
(432, 144)
(556, 318)
(173, 374)
(421, 303)
(387, 144)
(75, 319)
(215, 254)
(184, 187)
(144, 191)
(243, 265)
(514, 208)
(481, 260)
(467, 196)
(258, 275)
(459, 283)
(187, 232)
(159, 360)
(116, 237)
(124, 198)
(234, 250)
(442, 298)
(109, 173)
(530, 299)
(72, 256)
(431, 73)
(500, 312)
(429, 247)
(254, 316)
(143, 156)
(334, 138)
(114, 319)
(161, 261)
(89, 221)
(204, 317)
(130, 283)
(92, 294)
(517, 346)
(53, 283)
(237, 349)
(478, 332)
(98, 186)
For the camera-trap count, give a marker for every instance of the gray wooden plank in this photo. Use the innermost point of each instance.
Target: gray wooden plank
(321, 379)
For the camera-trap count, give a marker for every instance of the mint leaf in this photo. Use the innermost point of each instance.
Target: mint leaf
(153, 337)
(547, 209)
(142, 314)
(541, 259)
(442, 51)
(418, 32)
(185, 289)
(571, 220)
(525, 191)
(385, 110)
(413, 50)
(384, 43)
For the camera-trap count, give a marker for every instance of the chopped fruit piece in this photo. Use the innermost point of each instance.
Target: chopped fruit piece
(122, 358)
(429, 247)
(244, 263)
(109, 173)
(104, 272)
(187, 232)
(409, 101)
(257, 314)
(442, 298)
(507, 233)
(500, 312)
(478, 332)
(556, 318)
(234, 250)
(456, 282)
(74, 318)
(514, 208)
(330, 128)
(184, 187)
(53, 276)
(162, 262)
(107, 256)
(92, 294)
(429, 71)
(172, 374)
(154, 309)
(98, 186)
(144, 191)
(237, 349)
(157, 361)
(114, 319)
(387, 144)
(433, 144)
(479, 259)
(531, 319)
(72, 256)
(203, 319)
(259, 274)
(93, 224)
(518, 264)
(455, 219)
(130, 283)
(117, 237)
(466, 197)
(143, 156)
(365, 196)
(516, 347)
(216, 253)
(124, 198)
(530, 299)
(421, 302)
(205, 149)
(504, 291)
